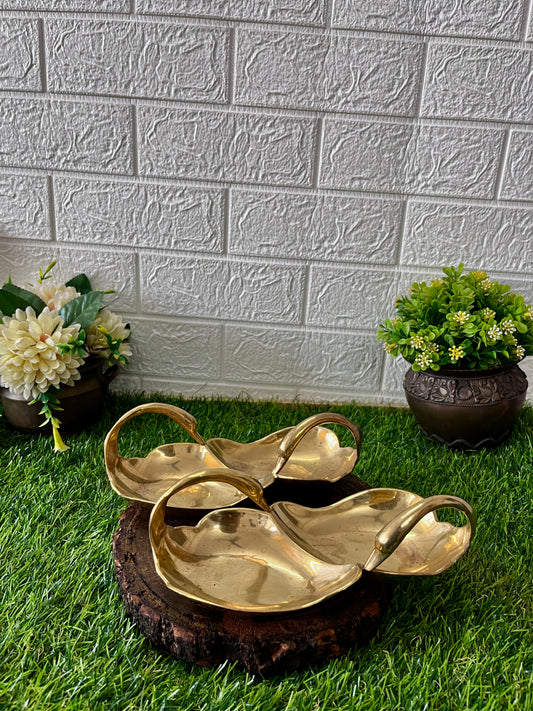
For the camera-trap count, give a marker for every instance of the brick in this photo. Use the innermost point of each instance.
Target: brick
(317, 227)
(518, 177)
(304, 12)
(296, 357)
(183, 349)
(19, 55)
(126, 383)
(226, 146)
(352, 298)
(115, 6)
(156, 216)
(213, 288)
(480, 237)
(65, 135)
(327, 72)
(470, 18)
(493, 83)
(138, 59)
(412, 159)
(393, 377)
(105, 269)
(24, 207)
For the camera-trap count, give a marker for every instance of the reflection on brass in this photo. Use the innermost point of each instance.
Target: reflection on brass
(239, 558)
(287, 556)
(390, 528)
(316, 455)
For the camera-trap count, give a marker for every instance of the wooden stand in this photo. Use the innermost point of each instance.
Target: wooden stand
(263, 644)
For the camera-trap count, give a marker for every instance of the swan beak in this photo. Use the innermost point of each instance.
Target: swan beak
(374, 559)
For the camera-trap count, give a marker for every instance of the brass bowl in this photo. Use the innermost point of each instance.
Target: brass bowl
(316, 455)
(287, 557)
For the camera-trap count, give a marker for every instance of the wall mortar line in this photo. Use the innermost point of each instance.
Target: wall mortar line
(52, 208)
(504, 153)
(526, 19)
(43, 65)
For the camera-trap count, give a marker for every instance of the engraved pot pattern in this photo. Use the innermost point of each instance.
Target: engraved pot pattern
(466, 409)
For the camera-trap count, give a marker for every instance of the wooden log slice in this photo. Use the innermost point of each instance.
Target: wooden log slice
(264, 644)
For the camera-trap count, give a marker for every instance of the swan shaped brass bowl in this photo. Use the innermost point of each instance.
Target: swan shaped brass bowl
(284, 557)
(318, 457)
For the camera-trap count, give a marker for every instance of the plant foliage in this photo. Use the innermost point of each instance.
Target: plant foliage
(459, 321)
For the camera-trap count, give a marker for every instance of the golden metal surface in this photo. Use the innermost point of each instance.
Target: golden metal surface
(316, 455)
(239, 558)
(288, 556)
(392, 530)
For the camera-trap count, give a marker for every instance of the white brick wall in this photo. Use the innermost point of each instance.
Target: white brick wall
(258, 179)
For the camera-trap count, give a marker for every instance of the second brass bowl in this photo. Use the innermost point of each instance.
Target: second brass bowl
(306, 452)
(287, 557)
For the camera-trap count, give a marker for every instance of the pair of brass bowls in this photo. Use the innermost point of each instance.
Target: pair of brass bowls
(283, 556)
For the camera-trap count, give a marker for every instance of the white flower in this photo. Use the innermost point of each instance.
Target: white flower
(30, 361)
(494, 333)
(520, 351)
(55, 296)
(418, 342)
(423, 360)
(112, 324)
(507, 326)
(461, 317)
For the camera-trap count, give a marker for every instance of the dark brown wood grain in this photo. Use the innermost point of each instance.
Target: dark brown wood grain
(263, 644)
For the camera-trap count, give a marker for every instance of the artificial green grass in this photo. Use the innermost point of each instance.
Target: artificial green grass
(461, 640)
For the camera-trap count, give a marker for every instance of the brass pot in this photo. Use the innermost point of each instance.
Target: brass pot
(82, 402)
(466, 409)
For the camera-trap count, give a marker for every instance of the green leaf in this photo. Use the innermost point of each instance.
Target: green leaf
(82, 310)
(81, 283)
(21, 298)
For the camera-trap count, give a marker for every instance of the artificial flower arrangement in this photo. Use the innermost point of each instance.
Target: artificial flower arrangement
(48, 331)
(462, 321)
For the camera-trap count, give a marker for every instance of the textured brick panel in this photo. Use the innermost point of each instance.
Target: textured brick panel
(471, 18)
(19, 55)
(294, 357)
(105, 269)
(317, 227)
(327, 72)
(65, 135)
(183, 349)
(479, 83)
(160, 216)
(481, 237)
(414, 159)
(306, 12)
(518, 178)
(24, 207)
(352, 298)
(393, 376)
(217, 289)
(225, 146)
(137, 59)
(81, 5)
(199, 387)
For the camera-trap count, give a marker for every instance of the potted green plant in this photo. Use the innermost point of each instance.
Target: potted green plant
(59, 350)
(464, 335)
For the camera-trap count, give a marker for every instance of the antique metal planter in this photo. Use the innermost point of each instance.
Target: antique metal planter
(82, 403)
(466, 409)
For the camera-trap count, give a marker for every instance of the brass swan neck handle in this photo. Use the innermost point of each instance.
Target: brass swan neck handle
(112, 458)
(291, 440)
(393, 533)
(244, 483)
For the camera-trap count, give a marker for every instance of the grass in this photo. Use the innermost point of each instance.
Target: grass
(462, 640)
